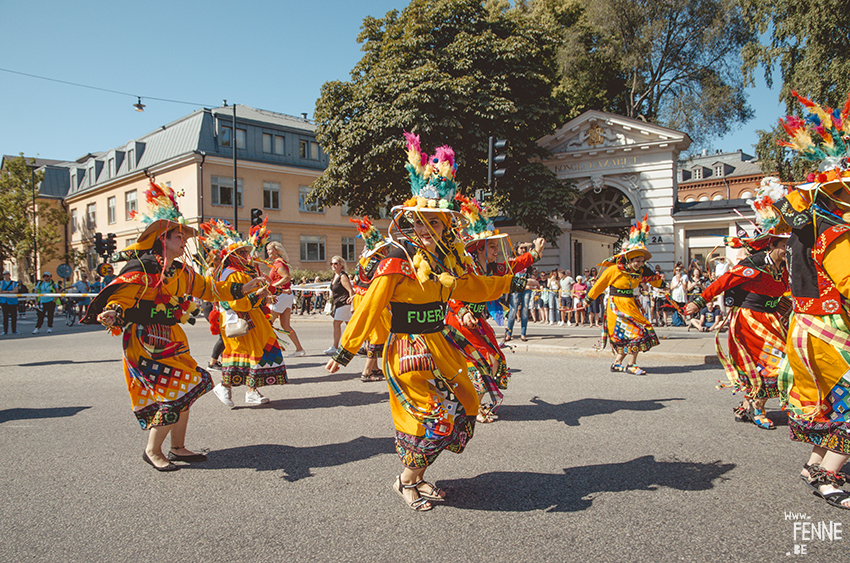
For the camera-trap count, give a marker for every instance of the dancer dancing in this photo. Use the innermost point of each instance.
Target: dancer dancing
(486, 363)
(374, 251)
(753, 289)
(625, 325)
(430, 393)
(147, 302)
(253, 355)
(814, 384)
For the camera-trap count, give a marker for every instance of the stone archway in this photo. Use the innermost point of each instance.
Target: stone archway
(603, 209)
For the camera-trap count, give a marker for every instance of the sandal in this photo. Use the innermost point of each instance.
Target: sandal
(742, 414)
(376, 375)
(819, 478)
(421, 504)
(214, 364)
(433, 494)
(843, 477)
(634, 369)
(617, 367)
(758, 418)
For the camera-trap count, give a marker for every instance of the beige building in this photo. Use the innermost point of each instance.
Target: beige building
(277, 160)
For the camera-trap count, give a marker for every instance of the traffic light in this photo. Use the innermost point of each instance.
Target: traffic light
(256, 217)
(110, 244)
(98, 244)
(495, 158)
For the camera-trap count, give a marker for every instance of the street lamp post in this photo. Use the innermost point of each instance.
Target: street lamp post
(235, 184)
(34, 230)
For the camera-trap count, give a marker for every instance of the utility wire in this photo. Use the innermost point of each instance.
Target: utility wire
(105, 89)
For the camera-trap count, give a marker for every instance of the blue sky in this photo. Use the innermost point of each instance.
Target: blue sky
(273, 55)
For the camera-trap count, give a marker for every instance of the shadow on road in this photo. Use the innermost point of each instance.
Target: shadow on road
(63, 362)
(506, 491)
(571, 413)
(667, 370)
(297, 463)
(29, 414)
(344, 399)
(328, 378)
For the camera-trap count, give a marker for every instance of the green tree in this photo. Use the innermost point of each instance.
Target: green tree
(665, 61)
(455, 72)
(16, 221)
(809, 43)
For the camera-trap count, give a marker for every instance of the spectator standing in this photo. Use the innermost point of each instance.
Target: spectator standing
(578, 292)
(317, 298)
(567, 282)
(82, 286)
(543, 302)
(46, 305)
(721, 266)
(8, 287)
(521, 301)
(596, 306)
(678, 290)
(554, 291)
(341, 292)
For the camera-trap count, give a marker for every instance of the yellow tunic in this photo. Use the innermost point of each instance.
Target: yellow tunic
(162, 378)
(379, 333)
(815, 381)
(436, 353)
(626, 327)
(254, 359)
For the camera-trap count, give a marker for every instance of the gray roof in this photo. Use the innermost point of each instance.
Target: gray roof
(196, 132)
(741, 163)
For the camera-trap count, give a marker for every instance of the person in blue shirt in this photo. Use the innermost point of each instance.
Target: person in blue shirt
(46, 305)
(709, 318)
(10, 304)
(107, 279)
(96, 285)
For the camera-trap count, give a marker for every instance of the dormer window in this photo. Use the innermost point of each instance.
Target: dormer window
(696, 174)
(718, 170)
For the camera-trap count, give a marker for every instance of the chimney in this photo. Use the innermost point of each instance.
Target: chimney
(304, 116)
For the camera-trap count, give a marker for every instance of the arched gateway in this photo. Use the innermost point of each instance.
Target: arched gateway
(625, 168)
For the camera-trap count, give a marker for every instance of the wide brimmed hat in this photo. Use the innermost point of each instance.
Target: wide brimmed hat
(636, 245)
(479, 227)
(163, 215)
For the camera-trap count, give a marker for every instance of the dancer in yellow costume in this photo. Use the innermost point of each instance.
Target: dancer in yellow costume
(253, 355)
(814, 378)
(625, 325)
(374, 251)
(146, 304)
(433, 402)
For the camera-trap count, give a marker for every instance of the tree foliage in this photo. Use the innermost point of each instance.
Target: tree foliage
(455, 72)
(666, 61)
(16, 220)
(810, 43)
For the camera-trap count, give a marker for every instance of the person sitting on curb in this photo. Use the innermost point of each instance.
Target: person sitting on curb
(709, 318)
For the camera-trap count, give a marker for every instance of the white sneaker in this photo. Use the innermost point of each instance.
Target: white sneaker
(35, 331)
(551, 323)
(224, 394)
(569, 324)
(255, 398)
(330, 351)
(49, 330)
(560, 323)
(298, 354)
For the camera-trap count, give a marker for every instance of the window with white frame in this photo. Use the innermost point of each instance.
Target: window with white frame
(697, 174)
(110, 166)
(278, 144)
(226, 135)
(91, 216)
(718, 170)
(745, 194)
(129, 204)
(303, 147)
(268, 141)
(314, 151)
(304, 205)
(703, 198)
(349, 249)
(312, 248)
(129, 241)
(75, 226)
(716, 197)
(271, 195)
(91, 258)
(131, 159)
(110, 210)
(222, 191)
(275, 237)
(90, 174)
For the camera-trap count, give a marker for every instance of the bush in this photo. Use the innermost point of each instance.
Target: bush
(297, 274)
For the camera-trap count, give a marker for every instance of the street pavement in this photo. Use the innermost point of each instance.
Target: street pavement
(583, 465)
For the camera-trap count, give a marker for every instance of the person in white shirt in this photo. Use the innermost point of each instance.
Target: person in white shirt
(567, 282)
(721, 266)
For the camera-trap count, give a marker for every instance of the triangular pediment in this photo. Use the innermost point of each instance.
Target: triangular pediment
(598, 130)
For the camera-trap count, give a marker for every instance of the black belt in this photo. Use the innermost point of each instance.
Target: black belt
(477, 309)
(146, 313)
(617, 292)
(761, 303)
(420, 318)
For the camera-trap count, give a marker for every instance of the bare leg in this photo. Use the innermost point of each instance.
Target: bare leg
(816, 458)
(337, 333)
(156, 436)
(371, 365)
(285, 317)
(178, 435)
(834, 461)
(274, 316)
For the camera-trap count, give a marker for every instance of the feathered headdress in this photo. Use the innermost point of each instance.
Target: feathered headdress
(369, 233)
(479, 222)
(432, 178)
(258, 235)
(219, 237)
(634, 246)
(769, 223)
(163, 214)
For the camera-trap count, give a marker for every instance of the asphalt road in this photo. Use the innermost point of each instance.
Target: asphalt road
(583, 465)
